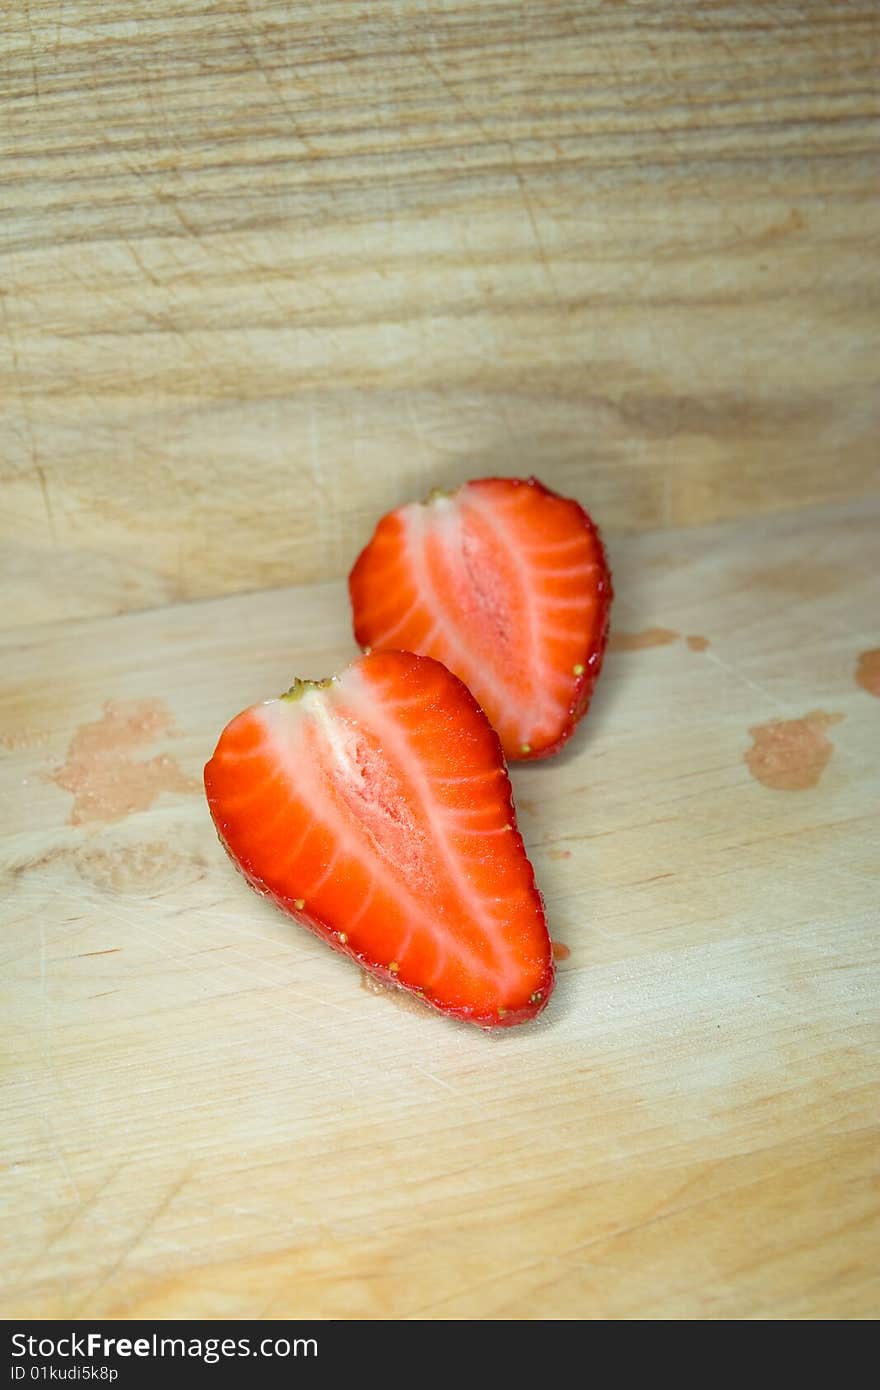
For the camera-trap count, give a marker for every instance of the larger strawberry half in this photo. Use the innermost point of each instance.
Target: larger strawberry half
(507, 584)
(375, 808)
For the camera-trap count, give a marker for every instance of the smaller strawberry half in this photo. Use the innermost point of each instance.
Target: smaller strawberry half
(508, 585)
(375, 808)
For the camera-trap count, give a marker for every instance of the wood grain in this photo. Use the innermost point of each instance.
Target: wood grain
(269, 269)
(206, 1115)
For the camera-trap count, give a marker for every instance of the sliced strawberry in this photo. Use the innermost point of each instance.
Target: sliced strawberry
(375, 808)
(508, 585)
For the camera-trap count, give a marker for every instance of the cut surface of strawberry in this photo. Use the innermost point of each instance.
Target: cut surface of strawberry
(508, 585)
(375, 808)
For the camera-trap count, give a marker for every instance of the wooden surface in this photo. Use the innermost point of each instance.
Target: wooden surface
(268, 269)
(207, 1114)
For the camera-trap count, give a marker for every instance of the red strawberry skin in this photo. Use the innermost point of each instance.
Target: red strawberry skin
(508, 585)
(376, 809)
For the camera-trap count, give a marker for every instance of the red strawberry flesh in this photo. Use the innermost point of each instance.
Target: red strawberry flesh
(507, 584)
(376, 809)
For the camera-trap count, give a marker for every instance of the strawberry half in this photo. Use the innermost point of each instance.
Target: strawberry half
(507, 584)
(375, 808)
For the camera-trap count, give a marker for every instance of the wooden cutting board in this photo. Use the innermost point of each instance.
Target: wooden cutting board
(207, 1114)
